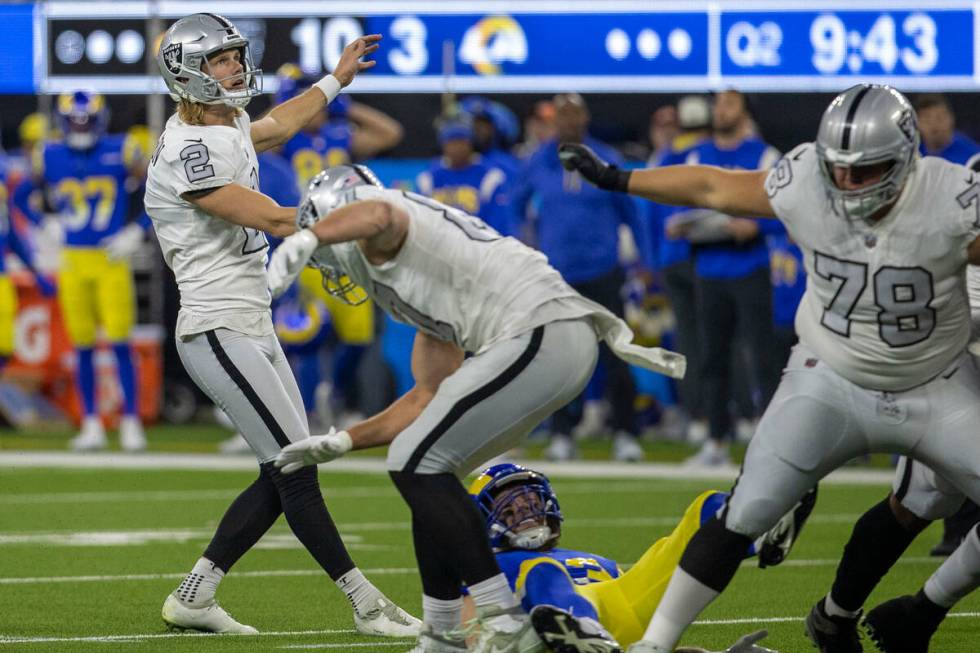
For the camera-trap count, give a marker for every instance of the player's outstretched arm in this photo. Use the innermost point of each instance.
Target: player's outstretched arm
(246, 207)
(734, 192)
(284, 120)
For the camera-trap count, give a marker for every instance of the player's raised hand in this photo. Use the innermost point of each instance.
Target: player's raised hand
(576, 157)
(350, 61)
(289, 259)
(313, 450)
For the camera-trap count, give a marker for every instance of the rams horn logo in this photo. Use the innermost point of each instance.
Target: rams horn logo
(172, 57)
(492, 41)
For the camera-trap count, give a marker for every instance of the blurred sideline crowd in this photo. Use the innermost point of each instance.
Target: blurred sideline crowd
(721, 290)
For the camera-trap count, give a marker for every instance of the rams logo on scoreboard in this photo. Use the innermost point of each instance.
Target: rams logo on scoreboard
(491, 42)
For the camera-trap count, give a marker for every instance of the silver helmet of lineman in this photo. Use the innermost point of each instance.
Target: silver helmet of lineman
(865, 125)
(188, 44)
(326, 192)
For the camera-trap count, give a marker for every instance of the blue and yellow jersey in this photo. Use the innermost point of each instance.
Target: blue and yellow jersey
(583, 568)
(311, 153)
(88, 188)
(788, 279)
(476, 189)
(4, 220)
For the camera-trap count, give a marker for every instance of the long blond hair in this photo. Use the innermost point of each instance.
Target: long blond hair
(192, 113)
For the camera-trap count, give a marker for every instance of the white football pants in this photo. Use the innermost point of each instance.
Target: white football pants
(818, 420)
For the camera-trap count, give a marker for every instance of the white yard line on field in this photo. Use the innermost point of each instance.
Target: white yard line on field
(4, 640)
(575, 469)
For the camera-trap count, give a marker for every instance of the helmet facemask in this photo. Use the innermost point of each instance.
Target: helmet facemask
(335, 281)
(861, 203)
(525, 516)
(211, 90)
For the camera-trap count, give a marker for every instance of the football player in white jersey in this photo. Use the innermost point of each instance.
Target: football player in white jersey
(884, 324)
(466, 289)
(202, 195)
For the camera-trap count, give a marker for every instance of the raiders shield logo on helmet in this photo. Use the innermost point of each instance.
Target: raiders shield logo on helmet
(172, 57)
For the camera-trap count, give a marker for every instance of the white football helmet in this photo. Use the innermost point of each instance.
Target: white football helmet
(325, 193)
(188, 44)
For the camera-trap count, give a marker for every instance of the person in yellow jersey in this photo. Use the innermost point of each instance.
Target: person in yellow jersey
(90, 179)
(582, 602)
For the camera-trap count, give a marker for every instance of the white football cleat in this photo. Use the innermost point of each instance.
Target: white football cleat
(386, 619)
(211, 618)
(91, 437)
(626, 448)
(506, 631)
(560, 449)
(131, 435)
(431, 641)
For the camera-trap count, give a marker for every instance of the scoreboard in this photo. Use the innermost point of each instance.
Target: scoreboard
(491, 46)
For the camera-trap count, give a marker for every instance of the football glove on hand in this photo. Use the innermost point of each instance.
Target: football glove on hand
(745, 644)
(314, 450)
(289, 259)
(121, 245)
(581, 158)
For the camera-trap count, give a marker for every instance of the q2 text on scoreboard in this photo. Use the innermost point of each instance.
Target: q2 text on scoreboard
(545, 46)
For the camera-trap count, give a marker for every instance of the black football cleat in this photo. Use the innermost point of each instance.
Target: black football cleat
(564, 633)
(833, 634)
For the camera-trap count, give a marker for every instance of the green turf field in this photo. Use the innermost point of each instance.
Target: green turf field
(87, 557)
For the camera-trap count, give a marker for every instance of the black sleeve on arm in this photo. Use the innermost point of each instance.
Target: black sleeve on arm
(199, 193)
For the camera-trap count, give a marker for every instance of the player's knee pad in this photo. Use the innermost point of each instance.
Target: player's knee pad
(714, 553)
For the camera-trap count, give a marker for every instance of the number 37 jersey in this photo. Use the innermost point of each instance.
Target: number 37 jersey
(219, 266)
(885, 304)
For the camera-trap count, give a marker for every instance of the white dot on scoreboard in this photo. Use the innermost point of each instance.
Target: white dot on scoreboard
(617, 44)
(679, 43)
(99, 46)
(648, 44)
(129, 46)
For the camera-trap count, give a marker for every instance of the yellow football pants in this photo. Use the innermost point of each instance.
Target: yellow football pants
(94, 290)
(354, 325)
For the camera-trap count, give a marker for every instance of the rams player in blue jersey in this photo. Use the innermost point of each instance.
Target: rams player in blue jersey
(10, 241)
(89, 179)
(582, 602)
(462, 178)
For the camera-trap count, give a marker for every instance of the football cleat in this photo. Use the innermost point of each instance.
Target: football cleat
(131, 435)
(832, 634)
(560, 449)
(210, 618)
(431, 641)
(505, 630)
(779, 540)
(903, 625)
(563, 633)
(386, 619)
(626, 448)
(91, 437)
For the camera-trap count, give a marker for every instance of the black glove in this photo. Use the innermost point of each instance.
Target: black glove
(607, 176)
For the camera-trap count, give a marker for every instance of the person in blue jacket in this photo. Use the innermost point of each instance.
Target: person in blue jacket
(937, 125)
(577, 227)
(732, 285)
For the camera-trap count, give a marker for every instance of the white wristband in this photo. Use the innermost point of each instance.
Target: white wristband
(329, 86)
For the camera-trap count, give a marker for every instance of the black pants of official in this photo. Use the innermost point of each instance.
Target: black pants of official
(620, 389)
(730, 311)
(678, 280)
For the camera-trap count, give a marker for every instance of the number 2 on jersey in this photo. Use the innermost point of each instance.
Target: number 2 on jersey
(903, 296)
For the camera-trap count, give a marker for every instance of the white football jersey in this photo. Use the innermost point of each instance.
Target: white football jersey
(219, 266)
(885, 304)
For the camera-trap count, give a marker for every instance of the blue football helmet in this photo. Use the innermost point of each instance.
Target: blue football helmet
(520, 508)
(82, 118)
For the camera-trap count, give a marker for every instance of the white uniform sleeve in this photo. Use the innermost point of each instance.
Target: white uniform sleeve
(791, 180)
(210, 161)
